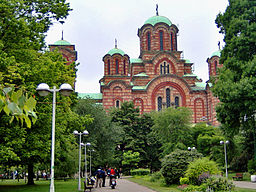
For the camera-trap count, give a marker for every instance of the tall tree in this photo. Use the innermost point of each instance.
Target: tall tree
(137, 135)
(172, 128)
(23, 64)
(236, 84)
(103, 134)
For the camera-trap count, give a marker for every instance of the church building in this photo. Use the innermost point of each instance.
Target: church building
(159, 78)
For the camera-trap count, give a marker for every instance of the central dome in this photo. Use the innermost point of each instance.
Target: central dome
(158, 19)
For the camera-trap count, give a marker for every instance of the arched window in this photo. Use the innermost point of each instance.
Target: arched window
(159, 103)
(148, 41)
(161, 37)
(117, 66)
(164, 68)
(177, 101)
(117, 103)
(168, 97)
(172, 46)
(108, 67)
(124, 67)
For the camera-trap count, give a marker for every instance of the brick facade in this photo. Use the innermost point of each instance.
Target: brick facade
(160, 77)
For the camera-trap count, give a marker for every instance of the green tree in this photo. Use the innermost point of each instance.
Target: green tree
(137, 135)
(131, 159)
(236, 84)
(103, 134)
(23, 64)
(172, 128)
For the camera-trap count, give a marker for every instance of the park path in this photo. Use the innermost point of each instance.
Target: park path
(124, 185)
(245, 184)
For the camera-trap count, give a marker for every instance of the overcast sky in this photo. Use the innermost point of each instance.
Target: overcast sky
(93, 25)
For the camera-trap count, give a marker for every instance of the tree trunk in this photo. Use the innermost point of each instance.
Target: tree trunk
(30, 174)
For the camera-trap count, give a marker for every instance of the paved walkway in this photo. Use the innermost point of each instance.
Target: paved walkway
(123, 185)
(245, 184)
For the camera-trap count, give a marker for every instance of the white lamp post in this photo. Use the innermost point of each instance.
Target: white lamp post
(225, 151)
(43, 90)
(92, 150)
(79, 160)
(85, 163)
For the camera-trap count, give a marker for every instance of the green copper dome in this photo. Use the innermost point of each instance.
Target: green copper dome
(216, 53)
(62, 42)
(158, 19)
(116, 51)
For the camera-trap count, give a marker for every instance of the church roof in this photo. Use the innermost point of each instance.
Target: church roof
(62, 42)
(158, 19)
(136, 60)
(216, 53)
(116, 51)
(94, 96)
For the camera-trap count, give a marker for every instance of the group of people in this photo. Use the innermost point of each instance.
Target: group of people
(101, 175)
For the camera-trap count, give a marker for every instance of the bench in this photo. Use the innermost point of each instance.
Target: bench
(89, 184)
(238, 176)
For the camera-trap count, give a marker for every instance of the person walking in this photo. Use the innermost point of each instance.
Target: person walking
(104, 177)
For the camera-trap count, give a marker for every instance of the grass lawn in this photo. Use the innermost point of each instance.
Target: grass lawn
(159, 186)
(40, 186)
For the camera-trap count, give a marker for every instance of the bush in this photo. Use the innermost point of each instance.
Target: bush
(193, 188)
(199, 167)
(251, 166)
(140, 172)
(184, 180)
(175, 165)
(156, 176)
(218, 184)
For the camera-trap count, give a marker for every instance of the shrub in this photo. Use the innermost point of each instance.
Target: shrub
(200, 166)
(140, 172)
(193, 188)
(156, 176)
(184, 180)
(175, 164)
(251, 166)
(218, 184)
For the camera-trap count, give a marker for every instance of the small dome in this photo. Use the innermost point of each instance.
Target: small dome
(62, 42)
(116, 51)
(216, 53)
(158, 19)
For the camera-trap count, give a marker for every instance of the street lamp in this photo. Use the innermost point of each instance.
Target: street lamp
(92, 150)
(225, 151)
(43, 90)
(85, 163)
(191, 149)
(85, 132)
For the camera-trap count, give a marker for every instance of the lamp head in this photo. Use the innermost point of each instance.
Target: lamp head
(75, 132)
(221, 142)
(82, 144)
(65, 89)
(88, 144)
(85, 132)
(43, 89)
